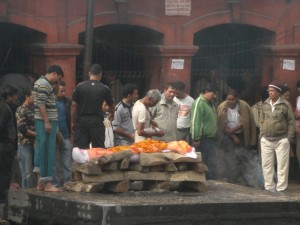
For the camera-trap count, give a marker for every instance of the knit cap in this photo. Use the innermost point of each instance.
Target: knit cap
(277, 85)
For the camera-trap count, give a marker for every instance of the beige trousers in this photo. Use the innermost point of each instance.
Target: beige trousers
(268, 150)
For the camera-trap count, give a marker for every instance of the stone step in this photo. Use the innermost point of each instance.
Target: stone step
(4, 222)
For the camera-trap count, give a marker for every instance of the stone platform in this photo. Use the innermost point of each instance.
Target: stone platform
(223, 203)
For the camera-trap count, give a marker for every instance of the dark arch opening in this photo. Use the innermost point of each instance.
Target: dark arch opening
(14, 51)
(228, 55)
(122, 51)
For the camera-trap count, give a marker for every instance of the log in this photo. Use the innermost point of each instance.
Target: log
(198, 167)
(137, 185)
(135, 175)
(182, 166)
(135, 167)
(157, 185)
(76, 176)
(117, 187)
(112, 166)
(199, 156)
(118, 156)
(171, 167)
(183, 158)
(157, 168)
(174, 186)
(138, 167)
(186, 176)
(79, 186)
(124, 164)
(104, 177)
(92, 167)
(155, 159)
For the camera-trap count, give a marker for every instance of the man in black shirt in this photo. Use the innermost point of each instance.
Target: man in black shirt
(86, 111)
(8, 137)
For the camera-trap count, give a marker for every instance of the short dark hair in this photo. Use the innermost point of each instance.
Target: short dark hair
(8, 90)
(55, 69)
(95, 69)
(128, 89)
(169, 84)
(232, 92)
(210, 87)
(179, 85)
(298, 83)
(285, 89)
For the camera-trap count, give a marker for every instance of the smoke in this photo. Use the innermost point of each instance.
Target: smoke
(239, 165)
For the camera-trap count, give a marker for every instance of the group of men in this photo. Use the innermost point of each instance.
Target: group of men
(34, 131)
(161, 116)
(233, 126)
(168, 116)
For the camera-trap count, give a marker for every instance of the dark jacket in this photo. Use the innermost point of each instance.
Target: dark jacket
(68, 104)
(8, 131)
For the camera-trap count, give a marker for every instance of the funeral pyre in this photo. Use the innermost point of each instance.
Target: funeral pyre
(145, 165)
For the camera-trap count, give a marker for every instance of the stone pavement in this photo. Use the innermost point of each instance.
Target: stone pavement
(223, 203)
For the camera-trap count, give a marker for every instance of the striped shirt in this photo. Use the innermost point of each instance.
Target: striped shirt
(44, 95)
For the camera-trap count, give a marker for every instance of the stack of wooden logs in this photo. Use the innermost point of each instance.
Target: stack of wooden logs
(150, 171)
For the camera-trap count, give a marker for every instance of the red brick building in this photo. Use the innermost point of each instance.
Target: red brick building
(248, 42)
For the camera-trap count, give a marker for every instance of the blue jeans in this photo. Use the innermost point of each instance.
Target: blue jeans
(25, 157)
(63, 163)
(45, 150)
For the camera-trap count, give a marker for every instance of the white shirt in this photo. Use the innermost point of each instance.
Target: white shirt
(142, 115)
(233, 118)
(273, 105)
(184, 113)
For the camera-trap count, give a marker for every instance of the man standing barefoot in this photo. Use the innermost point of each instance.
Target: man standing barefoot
(46, 126)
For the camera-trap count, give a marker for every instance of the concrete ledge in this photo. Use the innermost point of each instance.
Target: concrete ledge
(4, 222)
(222, 204)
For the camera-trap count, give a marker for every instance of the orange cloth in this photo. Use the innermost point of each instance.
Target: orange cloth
(148, 146)
(97, 152)
(179, 146)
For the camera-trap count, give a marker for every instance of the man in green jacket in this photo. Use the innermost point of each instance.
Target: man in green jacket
(203, 129)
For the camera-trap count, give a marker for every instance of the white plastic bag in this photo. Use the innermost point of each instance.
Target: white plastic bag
(109, 134)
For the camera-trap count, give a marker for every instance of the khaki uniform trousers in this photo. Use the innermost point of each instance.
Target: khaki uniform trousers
(282, 150)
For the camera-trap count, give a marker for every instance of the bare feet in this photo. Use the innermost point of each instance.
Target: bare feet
(40, 186)
(50, 188)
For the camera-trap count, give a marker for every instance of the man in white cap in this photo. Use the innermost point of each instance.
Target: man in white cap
(276, 132)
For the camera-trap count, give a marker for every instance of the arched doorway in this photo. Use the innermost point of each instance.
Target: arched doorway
(227, 55)
(14, 51)
(122, 52)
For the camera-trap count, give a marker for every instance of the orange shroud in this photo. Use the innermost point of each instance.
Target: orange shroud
(97, 152)
(179, 146)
